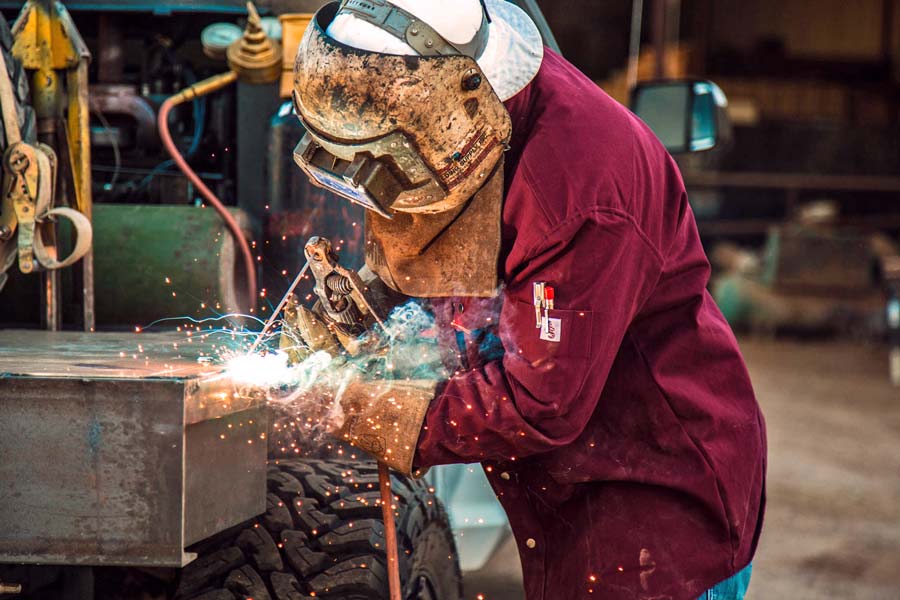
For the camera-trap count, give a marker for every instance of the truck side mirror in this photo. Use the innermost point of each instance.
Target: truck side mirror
(686, 115)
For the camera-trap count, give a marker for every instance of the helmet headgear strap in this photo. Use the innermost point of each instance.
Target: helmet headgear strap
(487, 13)
(418, 34)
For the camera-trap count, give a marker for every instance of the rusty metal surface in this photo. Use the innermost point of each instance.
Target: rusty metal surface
(46, 37)
(103, 355)
(232, 477)
(117, 449)
(87, 471)
(79, 143)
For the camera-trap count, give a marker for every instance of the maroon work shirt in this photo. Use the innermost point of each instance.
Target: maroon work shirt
(630, 456)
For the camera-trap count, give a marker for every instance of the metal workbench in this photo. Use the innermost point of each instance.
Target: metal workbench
(121, 449)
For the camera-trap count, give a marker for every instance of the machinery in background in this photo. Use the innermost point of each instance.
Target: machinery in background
(47, 178)
(238, 140)
(144, 54)
(813, 277)
(161, 254)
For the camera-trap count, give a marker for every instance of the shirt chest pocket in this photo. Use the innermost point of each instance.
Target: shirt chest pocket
(564, 333)
(550, 358)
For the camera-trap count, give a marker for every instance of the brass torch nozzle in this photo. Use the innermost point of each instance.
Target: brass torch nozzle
(255, 57)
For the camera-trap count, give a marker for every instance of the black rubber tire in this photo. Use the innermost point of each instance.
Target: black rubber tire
(322, 536)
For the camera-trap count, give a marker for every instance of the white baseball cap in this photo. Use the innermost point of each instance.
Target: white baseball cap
(510, 59)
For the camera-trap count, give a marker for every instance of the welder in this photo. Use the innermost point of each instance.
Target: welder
(549, 231)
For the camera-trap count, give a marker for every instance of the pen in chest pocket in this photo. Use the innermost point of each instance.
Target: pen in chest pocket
(538, 291)
(544, 297)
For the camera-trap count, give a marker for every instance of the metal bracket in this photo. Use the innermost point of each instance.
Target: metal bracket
(20, 162)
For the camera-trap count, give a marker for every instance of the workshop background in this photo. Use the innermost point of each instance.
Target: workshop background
(799, 212)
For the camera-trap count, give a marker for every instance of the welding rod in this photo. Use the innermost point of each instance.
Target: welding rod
(277, 311)
(390, 532)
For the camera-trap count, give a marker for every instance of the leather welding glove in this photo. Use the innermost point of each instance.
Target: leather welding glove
(384, 418)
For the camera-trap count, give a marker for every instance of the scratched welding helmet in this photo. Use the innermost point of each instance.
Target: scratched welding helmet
(403, 119)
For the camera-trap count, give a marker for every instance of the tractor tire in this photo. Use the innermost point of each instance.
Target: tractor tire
(322, 536)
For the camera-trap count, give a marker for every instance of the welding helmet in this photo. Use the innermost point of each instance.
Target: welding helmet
(402, 118)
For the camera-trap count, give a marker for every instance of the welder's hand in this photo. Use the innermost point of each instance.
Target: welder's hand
(383, 418)
(306, 332)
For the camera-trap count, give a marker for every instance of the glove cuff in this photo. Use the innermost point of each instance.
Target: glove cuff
(384, 418)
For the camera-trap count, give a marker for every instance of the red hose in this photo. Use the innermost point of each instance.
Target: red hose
(209, 196)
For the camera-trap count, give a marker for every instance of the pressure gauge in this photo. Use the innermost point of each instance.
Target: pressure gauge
(217, 37)
(272, 27)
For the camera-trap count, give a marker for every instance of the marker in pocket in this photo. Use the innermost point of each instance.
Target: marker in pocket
(549, 294)
(551, 329)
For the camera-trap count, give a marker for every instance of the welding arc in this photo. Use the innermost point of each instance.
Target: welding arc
(279, 308)
(208, 195)
(390, 532)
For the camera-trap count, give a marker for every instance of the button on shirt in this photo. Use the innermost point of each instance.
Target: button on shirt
(630, 454)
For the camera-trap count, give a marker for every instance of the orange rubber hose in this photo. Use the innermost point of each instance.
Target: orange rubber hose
(390, 531)
(208, 195)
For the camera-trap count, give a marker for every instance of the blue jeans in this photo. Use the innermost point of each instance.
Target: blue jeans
(731, 589)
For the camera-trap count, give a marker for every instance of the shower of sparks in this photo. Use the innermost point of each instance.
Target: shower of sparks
(259, 357)
(242, 349)
(307, 393)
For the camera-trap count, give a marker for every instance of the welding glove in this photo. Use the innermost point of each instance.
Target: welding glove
(383, 418)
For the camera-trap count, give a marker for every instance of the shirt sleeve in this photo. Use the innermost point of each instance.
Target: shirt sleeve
(541, 394)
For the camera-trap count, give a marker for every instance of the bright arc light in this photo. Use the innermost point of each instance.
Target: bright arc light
(274, 370)
(259, 370)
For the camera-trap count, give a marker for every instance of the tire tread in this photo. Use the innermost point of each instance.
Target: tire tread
(321, 537)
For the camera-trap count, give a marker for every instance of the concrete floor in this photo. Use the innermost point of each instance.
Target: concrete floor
(833, 522)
